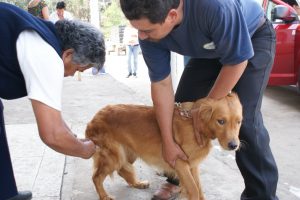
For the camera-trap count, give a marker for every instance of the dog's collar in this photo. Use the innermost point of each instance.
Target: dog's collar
(183, 112)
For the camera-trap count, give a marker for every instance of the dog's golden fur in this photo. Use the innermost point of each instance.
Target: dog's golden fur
(126, 132)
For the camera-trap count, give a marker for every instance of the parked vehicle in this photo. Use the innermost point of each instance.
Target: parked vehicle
(286, 68)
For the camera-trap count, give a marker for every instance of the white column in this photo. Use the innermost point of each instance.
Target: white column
(94, 8)
(177, 67)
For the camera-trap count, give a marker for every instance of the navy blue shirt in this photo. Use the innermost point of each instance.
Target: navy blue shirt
(209, 29)
(13, 21)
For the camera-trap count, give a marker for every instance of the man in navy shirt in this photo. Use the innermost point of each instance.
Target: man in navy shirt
(231, 48)
(35, 55)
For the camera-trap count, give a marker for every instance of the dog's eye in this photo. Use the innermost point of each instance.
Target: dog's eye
(239, 122)
(221, 121)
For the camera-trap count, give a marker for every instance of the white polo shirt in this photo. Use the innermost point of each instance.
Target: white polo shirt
(42, 68)
(54, 17)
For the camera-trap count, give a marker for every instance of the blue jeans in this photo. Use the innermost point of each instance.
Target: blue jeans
(8, 186)
(133, 51)
(255, 160)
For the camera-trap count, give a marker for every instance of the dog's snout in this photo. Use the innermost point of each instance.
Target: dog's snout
(232, 145)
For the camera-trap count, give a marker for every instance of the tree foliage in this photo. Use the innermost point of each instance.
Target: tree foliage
(111, 18)
(20, 3)
(79, 8)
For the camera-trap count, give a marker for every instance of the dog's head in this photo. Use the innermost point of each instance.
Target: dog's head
(220, 119)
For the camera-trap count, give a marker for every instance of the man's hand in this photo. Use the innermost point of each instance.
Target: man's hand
(55, 133)
(172, 152)
(163, 103)
(89, 148)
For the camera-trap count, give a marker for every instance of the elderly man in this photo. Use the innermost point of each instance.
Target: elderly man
(35, 55)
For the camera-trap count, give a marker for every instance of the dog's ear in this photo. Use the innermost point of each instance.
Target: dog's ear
(205, 113)
(206, 110)
(201, 117)
(197, 125)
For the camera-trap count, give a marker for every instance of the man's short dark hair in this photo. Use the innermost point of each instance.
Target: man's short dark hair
(61, 5)
(155, 11)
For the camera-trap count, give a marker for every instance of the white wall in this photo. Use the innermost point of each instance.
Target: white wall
(177, 67)
(94, 8)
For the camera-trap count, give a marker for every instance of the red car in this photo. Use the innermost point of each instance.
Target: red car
(286, 68)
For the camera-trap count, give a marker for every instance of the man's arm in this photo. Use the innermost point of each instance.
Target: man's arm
(45, 12)
(227, 79)
(163, 101)
(56, 134)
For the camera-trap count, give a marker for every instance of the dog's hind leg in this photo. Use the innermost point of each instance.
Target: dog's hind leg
(98, 180)
(128, 173)
(103, 166)
(195, 174)
(186, 179)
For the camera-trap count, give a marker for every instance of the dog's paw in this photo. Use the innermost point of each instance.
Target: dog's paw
(141, 185)
(107, 198)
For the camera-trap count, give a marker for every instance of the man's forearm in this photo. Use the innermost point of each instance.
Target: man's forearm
(57, 135)
(64, 141)
(227, 79)
(163, 100)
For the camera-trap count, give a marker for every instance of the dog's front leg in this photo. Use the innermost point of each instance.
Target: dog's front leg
(187, 181)
(195, 174)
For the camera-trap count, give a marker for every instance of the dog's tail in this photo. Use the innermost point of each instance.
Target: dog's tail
(99, 134)
(110, 151)
(93, 132)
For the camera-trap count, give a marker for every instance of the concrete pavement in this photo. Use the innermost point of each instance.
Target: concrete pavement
(52, 176)
(37, 167)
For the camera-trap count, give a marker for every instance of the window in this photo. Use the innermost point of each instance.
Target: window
(270, 6)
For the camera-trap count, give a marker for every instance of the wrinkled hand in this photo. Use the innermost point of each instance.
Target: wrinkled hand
(172, 152)
(89, 148)
(198, 127)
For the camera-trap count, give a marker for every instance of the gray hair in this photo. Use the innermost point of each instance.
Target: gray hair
(86, 41)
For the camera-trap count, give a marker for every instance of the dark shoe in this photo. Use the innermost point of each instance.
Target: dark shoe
(24, 195)
(167, 191)
(134, 75)
(130, 74)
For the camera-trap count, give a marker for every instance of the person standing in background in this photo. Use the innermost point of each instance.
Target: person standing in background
(38, 8)
(132, 42)
(60, 13)
(98, 70)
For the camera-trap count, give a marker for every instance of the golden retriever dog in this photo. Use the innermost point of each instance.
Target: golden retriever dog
(126, 132)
